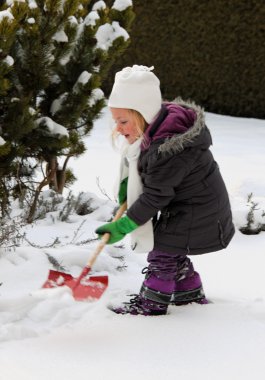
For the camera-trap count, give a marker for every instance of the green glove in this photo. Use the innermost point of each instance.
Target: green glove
(122, 196)
(117, 229)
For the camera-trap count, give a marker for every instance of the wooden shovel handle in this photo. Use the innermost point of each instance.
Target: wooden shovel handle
(106, 236)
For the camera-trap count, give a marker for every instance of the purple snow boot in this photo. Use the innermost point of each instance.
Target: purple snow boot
(153, 299)
(187, 290)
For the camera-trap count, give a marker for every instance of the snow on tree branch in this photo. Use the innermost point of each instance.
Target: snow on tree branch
(54, 128)
(91, 18)
(9, 61)
(33, 4)
(60, 36)
(57, 103)
(82, 79)
(96, 95)
(6, 14)
(107, 33)
(121, 5)
(99, 5)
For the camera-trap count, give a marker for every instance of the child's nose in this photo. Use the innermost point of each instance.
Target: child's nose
(119, 128)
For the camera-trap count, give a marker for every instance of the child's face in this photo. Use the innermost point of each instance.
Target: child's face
(125, 124)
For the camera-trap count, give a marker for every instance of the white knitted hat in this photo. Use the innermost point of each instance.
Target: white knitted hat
(137, 88)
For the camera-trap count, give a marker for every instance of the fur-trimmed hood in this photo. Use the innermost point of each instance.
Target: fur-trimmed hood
(179, 125)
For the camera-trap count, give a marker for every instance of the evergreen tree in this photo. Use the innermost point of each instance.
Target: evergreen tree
(54, 55)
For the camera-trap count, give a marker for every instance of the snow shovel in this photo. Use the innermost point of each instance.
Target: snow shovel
(85, 288)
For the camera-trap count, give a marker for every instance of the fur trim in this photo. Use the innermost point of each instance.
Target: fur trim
(178, 142)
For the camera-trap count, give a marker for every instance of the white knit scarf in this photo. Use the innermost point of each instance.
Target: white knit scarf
(142, 239)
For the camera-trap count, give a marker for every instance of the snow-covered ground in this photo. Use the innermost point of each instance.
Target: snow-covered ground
(45, 333)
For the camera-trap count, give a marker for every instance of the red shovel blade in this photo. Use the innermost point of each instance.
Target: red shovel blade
(56, 279)
(89, 288)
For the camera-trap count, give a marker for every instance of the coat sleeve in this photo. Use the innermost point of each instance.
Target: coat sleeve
(162, 177)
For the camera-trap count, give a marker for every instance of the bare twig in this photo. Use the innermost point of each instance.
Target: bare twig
(51, 245)
(77, 231)
(103, 191)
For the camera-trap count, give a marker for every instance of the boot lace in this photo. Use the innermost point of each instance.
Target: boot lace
(140, 305)
(148, 271)
(134, 304)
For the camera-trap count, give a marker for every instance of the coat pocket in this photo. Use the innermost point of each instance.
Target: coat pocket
(176, 222)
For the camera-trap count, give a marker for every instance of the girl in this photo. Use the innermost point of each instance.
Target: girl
(177, 201)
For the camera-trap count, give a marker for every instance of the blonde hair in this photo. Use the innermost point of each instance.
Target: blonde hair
(140, 124)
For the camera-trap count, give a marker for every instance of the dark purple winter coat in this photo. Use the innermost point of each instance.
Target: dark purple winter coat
(183, 190)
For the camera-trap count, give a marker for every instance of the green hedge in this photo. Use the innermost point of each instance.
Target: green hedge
(209, 51)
